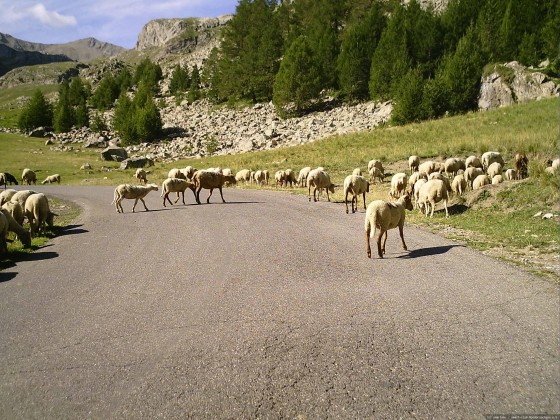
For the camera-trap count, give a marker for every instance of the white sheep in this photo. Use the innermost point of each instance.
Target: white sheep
(555, 164)
(442, 177)
(290, 177)
(28, 177)
(209, 180)
(510, 174)
(497, 179)
(38, 212)
(243, 175)
(15, 209)
(494, 169)
(6, 196)
(416, 191)
(415, 176)
(431, 193)
(471, 173)
(473, 161)
(3, 234)
(355, 185)
(427, 167)
(302, 177)
(490, 157)
(22, 196)
(266, 176)
(280, 178)
(453, 165)
(189, 171)
(357, 171)
(14, 226)
(260, 178)
(375, 163)
(375, 173)
(141, 175)
(136, 192)
(177, 185)
(319, 179)
(413, 163)
(480, 181)
(398, 185)
(459, 185)
(52, 178)
(383, 215)
(176, 173)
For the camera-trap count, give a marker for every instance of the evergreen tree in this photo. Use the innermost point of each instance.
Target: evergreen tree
(408, 98)
(148, 121)
(106, 93)
(36, 113)
(194, 88)
(179, 80)
(81, 114)
(123, 80)
(148, 73)
(457, 17)
(124, 120)
(297, 82)
(77, 92)
(434, 98)
(63, 118)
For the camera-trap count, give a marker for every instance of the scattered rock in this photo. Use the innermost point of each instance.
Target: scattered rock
(136, 162)
(114, 153)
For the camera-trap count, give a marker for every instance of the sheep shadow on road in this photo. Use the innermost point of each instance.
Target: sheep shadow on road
(426, 252)
(19, 256)
(69, 230)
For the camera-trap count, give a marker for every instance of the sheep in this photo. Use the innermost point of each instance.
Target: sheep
(290, 177)
(510, 175)
(266, 176)
(136, 192)
(280, 178)
(188, 172)
(471, 173)
(243, 175)
(413, 163)
(22, 196)
(14, 226)
(302, 177)
(38, 212)
(177, 185)
(427, 167)
(374, 163)
(442, 177)
(28, 177)
(141, 175)
(319, 179)
(260, 178)
(85, 166)
(398, 185)
(357, 171)
(473, 161)
(521, 165)
(15, 209)
(375, 173)
(416, 191)
(356, 185)
(3, 234)
(10, 179)
(415, 176)
(176, 173)
(209, 180)
(6, 196)
(52, 178)
(383, 215)
(489, 158)
(453, 166)
(497, 179)
(459, 185)
(217, 170)
(555, 164)
(430, 193)
(480, 181)
(494, 169)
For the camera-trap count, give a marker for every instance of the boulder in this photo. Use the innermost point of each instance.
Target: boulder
(114, 153)
(136, 162)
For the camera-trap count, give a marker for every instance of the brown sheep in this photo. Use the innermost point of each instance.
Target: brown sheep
(521, 165)
(210, 180)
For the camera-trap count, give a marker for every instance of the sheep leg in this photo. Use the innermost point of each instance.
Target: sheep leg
(433, 204)
(445, 205)
(141, 199)
(309, 192)
(384, 242)
(197, 195)
(177, 199)
(364, 194)
(221, 194)
(378, 240)
(346, 202)
(401, 226)
(328, 197)
(368, 232)
(166, 196)
(314, 192)
(208, 199)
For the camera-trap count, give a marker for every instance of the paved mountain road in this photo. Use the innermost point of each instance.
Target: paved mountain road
(267, 307)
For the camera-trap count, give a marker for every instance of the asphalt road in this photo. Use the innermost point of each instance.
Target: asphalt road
(267, 307)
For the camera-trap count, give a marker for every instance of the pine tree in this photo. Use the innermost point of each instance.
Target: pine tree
(179, 80)
(37, 113)
(148, 121)
(124, 120)
(106, 93)
(81, 114)
(194, 88)
(77, 92)
(63, 118)
(408, 97)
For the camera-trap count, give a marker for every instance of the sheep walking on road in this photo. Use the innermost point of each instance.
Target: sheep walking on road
(319, 179)
(385, 215)
(356, 185)
(210, 180)
(177, 185)
(136, 192)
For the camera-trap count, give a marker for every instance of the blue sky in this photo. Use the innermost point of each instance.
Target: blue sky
(116, 21)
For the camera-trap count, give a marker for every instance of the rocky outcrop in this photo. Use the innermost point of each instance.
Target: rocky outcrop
(512, 83)
(114, 153)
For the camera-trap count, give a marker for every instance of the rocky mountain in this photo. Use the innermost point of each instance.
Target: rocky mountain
(16, 53)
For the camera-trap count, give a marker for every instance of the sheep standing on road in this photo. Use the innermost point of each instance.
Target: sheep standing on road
(260, 178)
(383, 215)
(10, 179)
(431, 193)
(355, 185)
(52, 178)
(209, 180)
(38, 212)
(136, 192)
(28, 177)
(141, 175)
(290, 177)
(280, 178)
(319, 179)
(177, 185)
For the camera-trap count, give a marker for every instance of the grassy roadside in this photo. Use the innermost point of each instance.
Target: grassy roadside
(499, 221)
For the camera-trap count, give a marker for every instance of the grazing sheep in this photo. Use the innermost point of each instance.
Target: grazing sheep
(85, 166)
(453, 165)
(14, 226)
(427, 167)
(243, 175)
(471, 173)
(136, 192)
(357, 171)
(480, 181)
(3, 234)
(22, 196)
(302, 177)
(290, 177)
(555, 164)
(260, 178)
(473, 161)
(375, 163)
(176, 173)
(489, 158)
(497, 179)
(442, 177)
(494, 169)
(521, 165)
(319, 179)
(415, 176)
(459, 185)
(52, 178)
(38, 212)
(280, 178)
(217, 170)
(398, 185)
(383, 215)
(141, 175)
(416, 191)
(355, 185)
(28, 177)
(413, 163)
(510, 175)
(6, 196)
(10, 179)
(431, 193)
(209, 180)
(15, 209)
(177, 185)
(375, 173)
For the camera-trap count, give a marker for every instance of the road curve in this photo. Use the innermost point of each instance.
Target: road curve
(267, 307)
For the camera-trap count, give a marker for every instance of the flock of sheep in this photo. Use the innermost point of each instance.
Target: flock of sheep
(17, 205)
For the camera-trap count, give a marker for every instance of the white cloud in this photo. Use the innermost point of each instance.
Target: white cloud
(54, 19)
